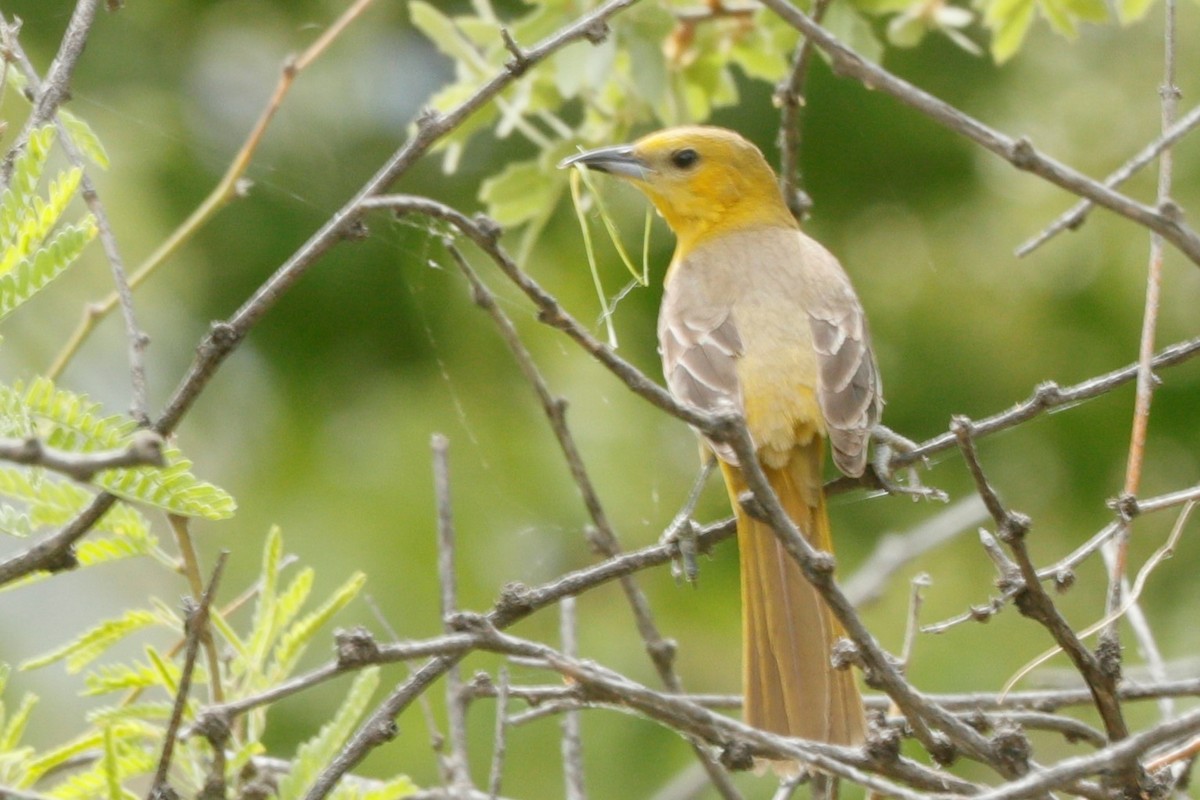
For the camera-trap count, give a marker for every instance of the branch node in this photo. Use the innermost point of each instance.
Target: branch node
(1126, 506)
(1108, 658)
(1047, 394)
(596, 31)
(821, 566)
(1015, 526)
(1022, 154)
(61, 562)
(222, 337)
(663, 651)
(355, 647)
(751, 505)
(428, 118)
(516, 600)
(1012, 747)
(519, 62)
(883, 745)
(942, 750)
(1064, 579)
(1171, 211)
(356, 231)
(213, 725)
(982, 613)
(845, 653)
(488, 228)
(737, 756)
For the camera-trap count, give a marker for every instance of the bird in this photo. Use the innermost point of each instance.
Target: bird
(759, 318)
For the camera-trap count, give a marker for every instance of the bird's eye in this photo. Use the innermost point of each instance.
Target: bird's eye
(684, 158)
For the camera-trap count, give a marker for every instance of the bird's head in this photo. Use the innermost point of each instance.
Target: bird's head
(703, 180)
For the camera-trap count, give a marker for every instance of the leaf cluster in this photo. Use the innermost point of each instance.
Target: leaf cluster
(123, 738)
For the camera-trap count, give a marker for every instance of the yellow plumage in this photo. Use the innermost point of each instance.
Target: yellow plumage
(758, 317)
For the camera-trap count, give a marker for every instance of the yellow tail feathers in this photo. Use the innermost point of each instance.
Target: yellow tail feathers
(787, 630)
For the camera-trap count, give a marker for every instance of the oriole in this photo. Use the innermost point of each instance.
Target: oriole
(758, 317)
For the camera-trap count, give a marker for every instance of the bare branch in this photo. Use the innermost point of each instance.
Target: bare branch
(572, 743)
(196, 624)
(1018, 152)
(145, 449)
(1075, 217)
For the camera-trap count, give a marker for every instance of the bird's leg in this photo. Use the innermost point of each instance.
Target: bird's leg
(681, 533)
(887, 441)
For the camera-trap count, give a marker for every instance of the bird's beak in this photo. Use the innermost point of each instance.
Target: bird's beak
(618, 160)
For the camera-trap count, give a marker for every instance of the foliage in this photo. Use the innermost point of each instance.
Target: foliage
(124, 737)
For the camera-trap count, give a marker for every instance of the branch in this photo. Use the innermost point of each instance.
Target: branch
(1048, 396)
(57, 87)
(1075, 217)
(1166, 220)
(196, 626)
(1035, 603)
(231, 186)
(54, 553)
(600, 534)
(144, 449)
(136, 338)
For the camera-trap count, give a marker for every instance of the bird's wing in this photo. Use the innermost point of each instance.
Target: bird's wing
(850, 392)
(699, 344)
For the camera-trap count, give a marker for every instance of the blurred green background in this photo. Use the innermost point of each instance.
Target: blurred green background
(321, 421)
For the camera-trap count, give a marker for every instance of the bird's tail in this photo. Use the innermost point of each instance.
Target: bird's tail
(787, 629)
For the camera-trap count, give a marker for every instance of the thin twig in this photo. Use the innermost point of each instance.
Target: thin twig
(135, 337)
(458, 767)
(196, 624)
(1019, 152)
(1117, 555)
(601, 534)
(500, 735)
(56, 88)
(191, 570)
(1075, 216)
(230, 187)
(894, 551)
(572, 742)
(1048, 396)
(144, 449)
(790, 96)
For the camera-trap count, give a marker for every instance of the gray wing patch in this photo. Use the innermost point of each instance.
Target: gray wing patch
(850, 395)
(700, 346)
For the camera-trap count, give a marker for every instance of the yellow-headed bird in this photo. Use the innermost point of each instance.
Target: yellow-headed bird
(758, 317)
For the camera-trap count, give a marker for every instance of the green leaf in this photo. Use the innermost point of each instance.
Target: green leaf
(296, 638)
(1089, 10)
(85, 138)
(854, 30)
(22, 187)
(108, 678)
(519, 193)
(73, 422)
(1060, 19)
(1131, 11)
(1009, 21)
(94, 642)
(44, 762)
(31, 275)
(395, 789)
(133, 714)
(14, 729)
(444, 33)
(262, 629)
(314, 754)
